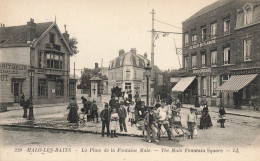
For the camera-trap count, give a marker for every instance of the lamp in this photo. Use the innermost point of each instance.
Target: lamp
(31, 74)
(147, 74)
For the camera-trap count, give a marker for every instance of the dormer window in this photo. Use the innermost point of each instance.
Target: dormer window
(248, 14)
(52, 38)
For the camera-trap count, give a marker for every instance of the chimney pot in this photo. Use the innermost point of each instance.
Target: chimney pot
(145, 55)
(121, 51)
(133, 50)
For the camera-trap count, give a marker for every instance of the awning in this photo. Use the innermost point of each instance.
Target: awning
(237, 82)
(183, 84)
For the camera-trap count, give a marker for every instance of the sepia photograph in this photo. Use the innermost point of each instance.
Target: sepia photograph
(123, 80)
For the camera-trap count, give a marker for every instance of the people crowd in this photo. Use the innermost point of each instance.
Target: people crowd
(164, 114)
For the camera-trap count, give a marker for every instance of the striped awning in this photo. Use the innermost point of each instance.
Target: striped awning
(237, 82)
(183, 84)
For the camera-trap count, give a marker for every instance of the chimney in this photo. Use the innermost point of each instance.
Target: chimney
(66, 35)
(145, 55)
(2, 25)
(31, 26)
(121, 51)
(96, 65)
(133, 50)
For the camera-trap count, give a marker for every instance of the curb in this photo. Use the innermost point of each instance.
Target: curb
(256, 117)
(67, 130)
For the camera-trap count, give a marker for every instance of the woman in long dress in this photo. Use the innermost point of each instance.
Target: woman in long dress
(205, 120)
(73, 111)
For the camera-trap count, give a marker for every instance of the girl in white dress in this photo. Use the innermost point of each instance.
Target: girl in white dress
(114, 122)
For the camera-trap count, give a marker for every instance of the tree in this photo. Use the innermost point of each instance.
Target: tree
(73, 42)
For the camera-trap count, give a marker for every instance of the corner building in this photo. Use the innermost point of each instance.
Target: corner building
(221, 54)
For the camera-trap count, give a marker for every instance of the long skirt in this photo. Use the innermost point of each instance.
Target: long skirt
(113, 125)
(73, 115)
(205, 121)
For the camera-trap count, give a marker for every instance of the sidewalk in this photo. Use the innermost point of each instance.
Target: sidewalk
(53, 118)
(231, 111)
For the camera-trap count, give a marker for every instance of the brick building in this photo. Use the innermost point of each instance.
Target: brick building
(38, 45)
(221, 54)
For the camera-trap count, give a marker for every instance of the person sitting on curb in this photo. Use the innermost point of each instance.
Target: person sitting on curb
(122, 117)
(113, 123)
(150, 126)
(105, 118)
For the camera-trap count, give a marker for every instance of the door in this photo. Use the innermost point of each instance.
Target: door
(16, 92)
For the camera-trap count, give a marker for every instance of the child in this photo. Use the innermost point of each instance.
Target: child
(132, 113)
(191, 122)
(222, 115)
(105, 116)
(150, 126)
(113, 122)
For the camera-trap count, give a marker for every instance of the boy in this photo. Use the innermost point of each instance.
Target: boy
(150, 127)
(191, 122)
(105, 118)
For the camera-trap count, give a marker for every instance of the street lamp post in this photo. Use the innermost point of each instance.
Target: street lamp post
(31, 75)
(148, 74)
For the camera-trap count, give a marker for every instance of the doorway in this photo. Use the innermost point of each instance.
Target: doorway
(17, 90)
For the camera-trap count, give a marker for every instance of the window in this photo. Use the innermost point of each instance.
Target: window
(247, 49)
(203, 33)
(204, 86)
(248, 14)
(213, 85)
(40, 59)
(203, 60)
(127, 87)
(127, 74)
(54, 61)
(224, 78)
(186, 39)
(52, 38)
(227, 55)
(213, 58)
(193, 61)
(59, 89)
(194, 39)
(42, 88)
(226, 26)
(186, 62)
(213, 30)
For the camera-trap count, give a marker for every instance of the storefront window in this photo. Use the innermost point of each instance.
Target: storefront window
(59, 88)
(213, 85)
(42, 88)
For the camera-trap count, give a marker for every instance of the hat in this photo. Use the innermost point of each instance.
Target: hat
(105, 104)
(94, 101)
(73, 98)
(121, 103)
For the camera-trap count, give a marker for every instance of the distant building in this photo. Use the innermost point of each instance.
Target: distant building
(221, 54)
(127, 71)
(43, 46)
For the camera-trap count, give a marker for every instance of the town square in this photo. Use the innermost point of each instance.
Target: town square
(129, 80)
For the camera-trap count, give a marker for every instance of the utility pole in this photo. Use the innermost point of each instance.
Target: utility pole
(74, 70)
(152, 45)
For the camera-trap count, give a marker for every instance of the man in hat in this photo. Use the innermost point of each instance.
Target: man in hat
(105, 118)
(164, 113)
(122, 116)
(150, 126)
(94, 110)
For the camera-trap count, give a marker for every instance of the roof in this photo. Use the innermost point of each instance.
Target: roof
(209, 8)
(183, 84)
(237, 82)
(129, 58)
(17, 35)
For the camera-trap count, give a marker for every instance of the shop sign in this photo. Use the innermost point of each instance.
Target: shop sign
(203, 44)
(245, 71)
(9, 69)
(203, 70)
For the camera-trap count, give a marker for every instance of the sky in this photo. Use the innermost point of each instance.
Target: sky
(103, 27)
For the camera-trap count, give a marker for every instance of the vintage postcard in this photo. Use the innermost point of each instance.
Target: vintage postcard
(129, 80)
